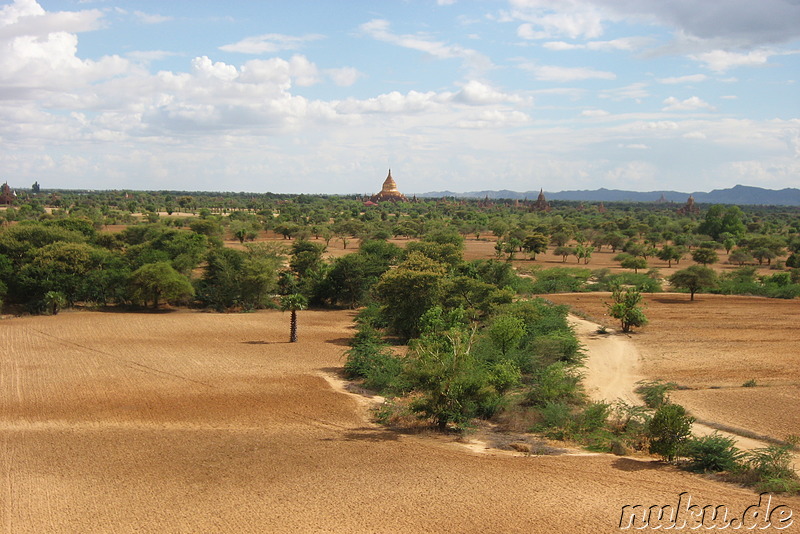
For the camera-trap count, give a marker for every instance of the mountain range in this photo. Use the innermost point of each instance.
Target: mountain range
(740, 194)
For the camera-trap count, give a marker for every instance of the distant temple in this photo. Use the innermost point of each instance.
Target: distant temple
(389, 192)
(541, 203)
(6, 195)
(689, 208)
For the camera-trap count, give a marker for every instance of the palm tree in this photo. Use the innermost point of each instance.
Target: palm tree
(293, 302)
(54, 301)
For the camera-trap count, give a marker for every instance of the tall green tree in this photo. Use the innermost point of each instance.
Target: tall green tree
(408, 290)
(154, 282)
(694, 278)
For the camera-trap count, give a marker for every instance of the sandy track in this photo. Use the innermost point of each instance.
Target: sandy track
(196, 422)
(613, 368)
(713, 346)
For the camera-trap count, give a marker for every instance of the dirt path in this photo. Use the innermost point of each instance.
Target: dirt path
(613, 366)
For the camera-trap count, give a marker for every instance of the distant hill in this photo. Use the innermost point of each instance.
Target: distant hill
(740, 194)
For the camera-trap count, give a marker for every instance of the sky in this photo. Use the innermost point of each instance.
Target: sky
(325, 96)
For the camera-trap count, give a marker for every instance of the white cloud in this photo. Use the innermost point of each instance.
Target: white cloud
(626, 43)
(479, 93)
(148, 18)
(146, 56)
(594, 113)
(585, 24)
(636, 146)
(344, 76)
(690, 104)
(394, 102)
(553, 73)
(692, 78)
(38, 50)
(494, 118)
(270, 42)
(694, 135)
(723, 60)
(379, 29)
(635, 91)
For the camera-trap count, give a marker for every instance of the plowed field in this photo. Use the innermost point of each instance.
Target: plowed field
(198, 422)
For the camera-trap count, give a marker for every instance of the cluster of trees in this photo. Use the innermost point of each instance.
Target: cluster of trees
(59, 262)
(474, 351)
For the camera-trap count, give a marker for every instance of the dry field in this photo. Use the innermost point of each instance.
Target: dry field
(713, 346)
(198, 422)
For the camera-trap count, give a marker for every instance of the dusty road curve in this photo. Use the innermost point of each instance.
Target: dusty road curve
(205, 423)
(613, 366)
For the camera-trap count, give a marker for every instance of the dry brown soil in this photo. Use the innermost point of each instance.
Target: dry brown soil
(712, 346)
(200, 422)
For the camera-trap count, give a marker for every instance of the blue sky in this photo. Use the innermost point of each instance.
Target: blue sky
(323, 96)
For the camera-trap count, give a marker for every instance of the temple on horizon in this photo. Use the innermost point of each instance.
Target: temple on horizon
(389, 192)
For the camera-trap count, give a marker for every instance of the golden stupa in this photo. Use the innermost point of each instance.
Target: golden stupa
(389, 192)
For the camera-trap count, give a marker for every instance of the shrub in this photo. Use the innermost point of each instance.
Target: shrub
(770, 469)
(371, 359)
(555, 420)
(564, 280)
(627, 307)
(655, 393)
(712, 453)
(643, 282)
(750, 383)
(556, 382)
(668, 430)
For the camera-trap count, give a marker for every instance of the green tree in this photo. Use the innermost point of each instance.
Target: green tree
(564, 252)
(627, 307)
(694, 278)
(705, 255)
(634, 262)
(670, 253)
(157, 281)
(722, 219)
(453, 385)
(668, 430)
(740, 256)
(54, 301)
(506, 331)
(534, 244)
(407, 291)
(293, 303)
(584, 252)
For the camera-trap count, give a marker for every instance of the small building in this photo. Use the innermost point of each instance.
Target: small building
(689, 208)
(389, 192)
(7, 196)
(541, 203)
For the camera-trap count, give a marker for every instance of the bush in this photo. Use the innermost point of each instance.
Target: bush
(371, 359)
(560, 280)
(668, 430)
(712, 453)
(770, 469)
(641, 281)
(655, 393)
(558, 382)
(627, 307)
